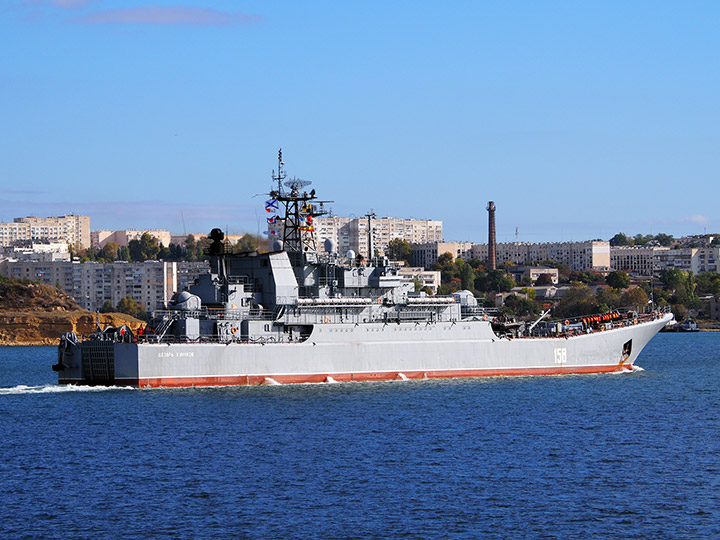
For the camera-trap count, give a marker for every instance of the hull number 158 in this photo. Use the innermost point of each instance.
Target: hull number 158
(560, 355)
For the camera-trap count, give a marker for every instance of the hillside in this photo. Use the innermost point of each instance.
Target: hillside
(37, 314)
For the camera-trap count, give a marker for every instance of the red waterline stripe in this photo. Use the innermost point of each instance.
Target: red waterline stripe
(243, 380)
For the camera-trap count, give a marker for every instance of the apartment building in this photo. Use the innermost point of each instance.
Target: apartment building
(427, 278)
(639, 260)
(150, 283)
(427, 254)
(75, 230)
(123, 237)
(579, 256)
(352, 233)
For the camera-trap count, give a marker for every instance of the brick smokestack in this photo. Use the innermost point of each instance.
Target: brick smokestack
(492, 261)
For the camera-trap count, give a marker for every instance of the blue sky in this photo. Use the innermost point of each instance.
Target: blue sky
(579, 119)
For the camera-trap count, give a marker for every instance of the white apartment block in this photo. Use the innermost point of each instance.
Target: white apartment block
(427, 278)
(639, 260)
(352, 233)
(123, 237)
(579, 256)
(695, 260)
(75, 230)
(427, 254)
(35, 250)
(150, 283)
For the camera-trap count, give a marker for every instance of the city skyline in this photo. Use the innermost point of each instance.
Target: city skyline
(579, 120)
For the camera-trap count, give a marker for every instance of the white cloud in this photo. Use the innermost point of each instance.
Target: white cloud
(698, 219)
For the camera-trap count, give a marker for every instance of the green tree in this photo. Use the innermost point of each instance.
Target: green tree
(664, 239)
(444, 261)
(618, 280)
(248, 242)
(708, 283)
(498, 281)
(620, 239)
(399, 250)
(522, 307)
(577, 300)
(635, 297)
(467, 275)
(130, 307)
(640, 240)
(107, 307)
(608, 297)
(124, 253)
(544, 279)
(109, 252)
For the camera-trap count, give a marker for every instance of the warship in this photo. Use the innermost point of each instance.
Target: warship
(299, 314)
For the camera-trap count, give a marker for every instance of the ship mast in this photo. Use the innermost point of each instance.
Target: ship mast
(298, 228)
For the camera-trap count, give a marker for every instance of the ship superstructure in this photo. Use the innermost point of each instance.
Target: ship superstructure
(300, 314)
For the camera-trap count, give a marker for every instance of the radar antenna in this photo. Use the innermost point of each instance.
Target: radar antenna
(300, 208)
(281, 174)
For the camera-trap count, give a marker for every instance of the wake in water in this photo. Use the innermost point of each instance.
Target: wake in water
(57, 389)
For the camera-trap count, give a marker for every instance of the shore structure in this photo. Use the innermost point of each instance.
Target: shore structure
(302, 315)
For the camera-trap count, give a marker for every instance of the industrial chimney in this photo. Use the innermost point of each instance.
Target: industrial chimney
(492, 261)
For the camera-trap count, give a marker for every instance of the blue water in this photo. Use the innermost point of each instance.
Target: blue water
(590, 456)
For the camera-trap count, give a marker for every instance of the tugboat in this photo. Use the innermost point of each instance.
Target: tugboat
(688, 325)
(301, 315)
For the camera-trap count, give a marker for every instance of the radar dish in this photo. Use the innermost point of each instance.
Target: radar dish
(297, 183)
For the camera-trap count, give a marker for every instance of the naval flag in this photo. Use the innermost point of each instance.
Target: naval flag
(271, 206)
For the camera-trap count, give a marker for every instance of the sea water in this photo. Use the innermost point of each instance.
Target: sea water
(581, 456)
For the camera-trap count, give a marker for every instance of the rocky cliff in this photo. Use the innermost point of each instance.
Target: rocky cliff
(37, 314)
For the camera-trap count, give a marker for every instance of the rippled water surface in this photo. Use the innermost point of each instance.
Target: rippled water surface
(590, 456)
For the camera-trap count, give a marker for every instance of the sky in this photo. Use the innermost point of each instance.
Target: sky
(579, 119)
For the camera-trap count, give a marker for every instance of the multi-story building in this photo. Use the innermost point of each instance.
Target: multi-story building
(427, 254)
(684, 259)
(644, 260)
(639, 260)
(427, 278)
(188, 272)
(534, 272)
(37, 250)
(579, 256)
(125, 236)
(75, 230)
(352, 233)
(150, 283)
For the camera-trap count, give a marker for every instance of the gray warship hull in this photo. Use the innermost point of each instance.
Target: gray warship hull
(352, 352)
(299, 315)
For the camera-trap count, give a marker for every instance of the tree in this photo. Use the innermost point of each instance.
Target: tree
(130, 307)
(247, 243)
(399, 250)
(109, 252)
(107, 307)
(640, 240)
(620, 239)
(522, 307)
(664, 239)
(145, 249)
(618, 280)
(577, 300)
(444, 260)
(635, 297)
(608, 297)
(544, 279)
(499, 281)
(708, 283)
(467, 275)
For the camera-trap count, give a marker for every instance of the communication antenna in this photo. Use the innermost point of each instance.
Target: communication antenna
(281, 174)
